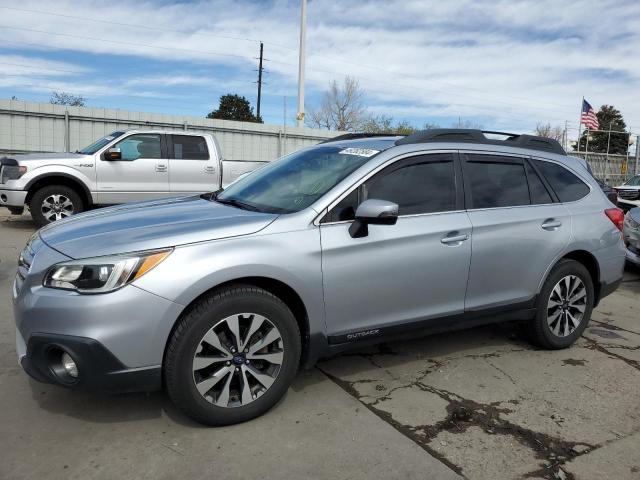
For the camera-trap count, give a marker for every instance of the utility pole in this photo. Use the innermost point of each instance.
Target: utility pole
(301, 60)
(260, 80)
(635, 171)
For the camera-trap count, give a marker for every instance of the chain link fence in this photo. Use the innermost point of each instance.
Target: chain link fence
(611, 169)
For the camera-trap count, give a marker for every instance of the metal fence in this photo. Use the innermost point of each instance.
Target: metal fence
(611, 169)
(42, 127)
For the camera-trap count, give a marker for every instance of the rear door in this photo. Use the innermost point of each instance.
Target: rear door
(404, 273)
(141, 174)
(191, 166)
(519, 228)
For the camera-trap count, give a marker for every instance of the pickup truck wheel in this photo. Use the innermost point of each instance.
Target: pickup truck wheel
(564, 306)
(232, 356)
(54, 202)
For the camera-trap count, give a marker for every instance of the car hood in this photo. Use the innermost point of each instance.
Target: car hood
(150, 225)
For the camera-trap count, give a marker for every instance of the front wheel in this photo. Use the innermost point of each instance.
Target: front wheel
(232, 356)
(564, 306)
(54, 202)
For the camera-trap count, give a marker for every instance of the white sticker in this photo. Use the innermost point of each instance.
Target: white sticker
(361, 152)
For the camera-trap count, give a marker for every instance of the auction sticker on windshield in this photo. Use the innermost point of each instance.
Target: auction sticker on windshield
(361, 152)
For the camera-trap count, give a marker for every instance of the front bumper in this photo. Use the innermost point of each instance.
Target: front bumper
(118, 338)
(633, 255)
(98, 368)
(12, 198)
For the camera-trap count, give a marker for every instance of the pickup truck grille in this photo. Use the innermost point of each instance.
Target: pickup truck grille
(629, 194)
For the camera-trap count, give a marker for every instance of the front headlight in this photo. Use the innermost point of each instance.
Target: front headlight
(103, 274)
(12, 172)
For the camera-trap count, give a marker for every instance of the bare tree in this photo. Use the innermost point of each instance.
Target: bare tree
(467, 124)
(63, 98)
(342, 107)
(546, 130)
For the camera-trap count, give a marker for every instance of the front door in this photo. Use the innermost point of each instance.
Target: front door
(141, 174)
(398, 274)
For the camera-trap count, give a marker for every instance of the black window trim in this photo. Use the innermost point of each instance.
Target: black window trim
(567, 167)
(172, 152)
(399, 162)
(543, 179)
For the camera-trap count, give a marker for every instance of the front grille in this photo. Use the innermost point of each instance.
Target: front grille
(629, 194)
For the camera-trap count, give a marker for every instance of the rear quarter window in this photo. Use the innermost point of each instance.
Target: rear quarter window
(567, 186)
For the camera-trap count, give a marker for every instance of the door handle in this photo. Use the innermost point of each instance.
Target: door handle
(161, 168)
(551, 224)
(454, 239)
(210, 169)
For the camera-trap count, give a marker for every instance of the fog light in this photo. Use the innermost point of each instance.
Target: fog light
(69, 365)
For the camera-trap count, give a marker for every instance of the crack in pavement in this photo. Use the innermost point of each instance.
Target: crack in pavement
(594, 345)
(462, 414)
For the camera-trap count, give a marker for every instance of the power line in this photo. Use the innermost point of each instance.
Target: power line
(332, 58)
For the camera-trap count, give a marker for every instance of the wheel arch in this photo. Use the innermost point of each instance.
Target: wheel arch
(589, 261)
(278, 288)
(70, 181)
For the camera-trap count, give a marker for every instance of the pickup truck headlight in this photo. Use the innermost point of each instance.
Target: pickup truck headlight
(103, 274)
(12, 172)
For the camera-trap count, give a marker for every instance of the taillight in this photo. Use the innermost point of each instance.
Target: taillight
(616, 216)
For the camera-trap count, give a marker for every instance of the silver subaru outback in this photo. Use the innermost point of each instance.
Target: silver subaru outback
(220, 298)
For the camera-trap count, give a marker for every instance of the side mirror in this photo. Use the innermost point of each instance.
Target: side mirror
(113, 154)
(373, 212)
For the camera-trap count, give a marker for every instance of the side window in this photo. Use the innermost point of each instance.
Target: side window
(567, 186)
(189, 147)
(140, 146)
(539, 193)
(424, 185)
(496, 183)
(345, 209)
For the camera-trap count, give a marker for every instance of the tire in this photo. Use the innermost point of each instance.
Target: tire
(554, 326)
(54, 202)
(215, 393)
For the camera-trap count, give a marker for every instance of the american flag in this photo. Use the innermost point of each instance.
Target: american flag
(589, 118)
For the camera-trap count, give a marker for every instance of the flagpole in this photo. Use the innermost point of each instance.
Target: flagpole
(580, 123)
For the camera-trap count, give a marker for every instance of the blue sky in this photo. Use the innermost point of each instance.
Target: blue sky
(501, 64)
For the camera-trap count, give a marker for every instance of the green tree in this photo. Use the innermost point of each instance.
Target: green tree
(235, 107)
(609, 118)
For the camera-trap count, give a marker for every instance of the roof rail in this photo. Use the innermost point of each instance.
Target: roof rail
(355, 136)
(531, 142)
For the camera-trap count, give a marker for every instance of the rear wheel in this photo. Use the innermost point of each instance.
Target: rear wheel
(564, 306)
(232, 356)
(54, 202)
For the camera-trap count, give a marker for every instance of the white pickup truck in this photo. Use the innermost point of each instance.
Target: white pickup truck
(125, 166)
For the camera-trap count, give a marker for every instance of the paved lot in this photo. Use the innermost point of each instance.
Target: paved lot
(482, 404)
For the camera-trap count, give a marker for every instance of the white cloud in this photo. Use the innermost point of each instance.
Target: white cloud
(513, 63)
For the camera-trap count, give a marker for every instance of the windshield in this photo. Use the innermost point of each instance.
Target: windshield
(98, 144)
(294, 182)
(634, 182)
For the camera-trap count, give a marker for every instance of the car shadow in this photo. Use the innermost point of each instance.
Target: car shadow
(98, 407)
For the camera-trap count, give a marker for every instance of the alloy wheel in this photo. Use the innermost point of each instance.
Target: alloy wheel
(566, 306)
(56, 207)
(237, 360)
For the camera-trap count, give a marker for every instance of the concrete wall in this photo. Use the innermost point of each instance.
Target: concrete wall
(42, 127)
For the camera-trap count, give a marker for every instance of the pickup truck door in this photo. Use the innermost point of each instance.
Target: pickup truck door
(193, 164)
(141, 174)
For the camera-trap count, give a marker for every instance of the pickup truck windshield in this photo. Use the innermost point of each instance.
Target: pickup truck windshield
(294, 182)
(98, 144)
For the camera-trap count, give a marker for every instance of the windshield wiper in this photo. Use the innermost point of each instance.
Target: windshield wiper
(237, 203)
